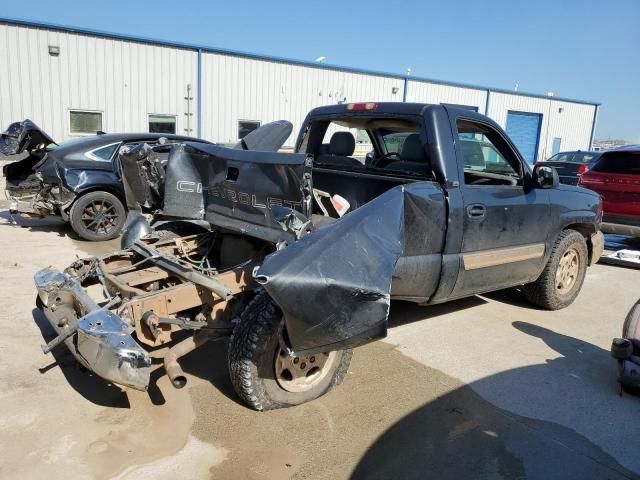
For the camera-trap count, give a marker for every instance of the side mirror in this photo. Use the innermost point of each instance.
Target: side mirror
(545, 177)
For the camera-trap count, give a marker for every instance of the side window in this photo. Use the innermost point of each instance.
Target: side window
(488, 160)
(103, 154)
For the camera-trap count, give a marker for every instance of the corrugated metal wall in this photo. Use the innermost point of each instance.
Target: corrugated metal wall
(128, 80)
(125, 80)
(235, 88)
(425, 92)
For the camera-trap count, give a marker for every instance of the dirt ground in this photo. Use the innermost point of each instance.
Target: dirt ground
(486, 387)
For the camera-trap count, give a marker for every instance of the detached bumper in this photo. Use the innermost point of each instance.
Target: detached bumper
(104, 343)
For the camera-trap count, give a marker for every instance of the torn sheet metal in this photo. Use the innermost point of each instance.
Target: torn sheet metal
(23, 136)
(334, 285)
(237, 189)
(142, 176)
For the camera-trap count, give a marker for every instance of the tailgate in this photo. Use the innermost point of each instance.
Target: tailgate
(237, 189)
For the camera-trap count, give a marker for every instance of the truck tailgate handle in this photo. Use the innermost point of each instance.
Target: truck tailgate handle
(476, 211)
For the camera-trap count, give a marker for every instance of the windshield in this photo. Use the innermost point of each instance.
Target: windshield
(561, 157)
(584, 157)
(393, 141)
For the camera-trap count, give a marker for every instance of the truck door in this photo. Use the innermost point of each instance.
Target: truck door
(505, 222)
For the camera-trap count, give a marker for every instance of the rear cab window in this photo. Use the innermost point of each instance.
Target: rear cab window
(384, 145)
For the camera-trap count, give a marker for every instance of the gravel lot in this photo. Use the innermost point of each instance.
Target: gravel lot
(485, 387)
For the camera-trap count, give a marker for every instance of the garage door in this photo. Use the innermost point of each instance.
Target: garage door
(524, 129)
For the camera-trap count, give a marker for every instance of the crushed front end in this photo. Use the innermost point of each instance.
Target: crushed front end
(26, 144)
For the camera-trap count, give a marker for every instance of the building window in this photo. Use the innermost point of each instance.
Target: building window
(84, 122)
(162, 123)
(245, 127)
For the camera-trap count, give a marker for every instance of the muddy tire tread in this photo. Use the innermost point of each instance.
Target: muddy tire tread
(542, 292)
(258, 322)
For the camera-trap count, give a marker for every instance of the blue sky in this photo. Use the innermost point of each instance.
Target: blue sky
(579, 49)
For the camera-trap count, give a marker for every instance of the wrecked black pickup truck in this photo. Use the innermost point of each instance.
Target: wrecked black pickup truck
(297, 256)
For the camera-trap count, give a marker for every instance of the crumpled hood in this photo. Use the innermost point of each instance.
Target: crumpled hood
(23, 136)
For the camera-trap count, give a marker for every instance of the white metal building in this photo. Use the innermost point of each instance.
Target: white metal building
(72, 82)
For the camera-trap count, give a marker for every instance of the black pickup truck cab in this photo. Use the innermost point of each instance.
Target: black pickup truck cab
(297, 256)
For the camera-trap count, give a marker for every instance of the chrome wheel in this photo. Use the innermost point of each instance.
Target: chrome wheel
(567, 272)
(300, 374)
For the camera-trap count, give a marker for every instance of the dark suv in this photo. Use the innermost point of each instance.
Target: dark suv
(616, 177)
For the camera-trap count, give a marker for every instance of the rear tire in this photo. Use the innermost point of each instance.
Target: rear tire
(561, 280)
(256, 362)
(631, 326)
(97, 216)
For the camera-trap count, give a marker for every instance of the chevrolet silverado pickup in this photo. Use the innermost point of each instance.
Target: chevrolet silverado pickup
(296, 256)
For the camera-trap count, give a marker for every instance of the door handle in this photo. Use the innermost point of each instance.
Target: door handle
(476, 211)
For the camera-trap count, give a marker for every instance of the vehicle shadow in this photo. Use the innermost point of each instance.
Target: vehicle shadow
(208, 363)
(46, 224)
(402, 312)
(511, 296)
(90, 386)
(547, 420)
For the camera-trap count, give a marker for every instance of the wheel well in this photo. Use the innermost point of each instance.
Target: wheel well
(100, 188)
(586, 229)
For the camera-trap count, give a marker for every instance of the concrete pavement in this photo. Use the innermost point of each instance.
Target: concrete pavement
(485, 387)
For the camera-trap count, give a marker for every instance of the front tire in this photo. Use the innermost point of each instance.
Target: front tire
(264, 376)
(97, 216)
(563, 275)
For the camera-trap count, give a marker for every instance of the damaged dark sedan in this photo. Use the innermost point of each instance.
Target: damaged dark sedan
(78, 180)
(296, 257)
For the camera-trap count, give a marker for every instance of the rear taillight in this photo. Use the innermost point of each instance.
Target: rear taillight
(361, 107)
(582, 169)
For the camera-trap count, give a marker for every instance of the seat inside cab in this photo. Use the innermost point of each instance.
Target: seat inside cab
(358, 158)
